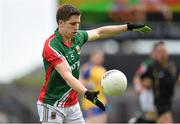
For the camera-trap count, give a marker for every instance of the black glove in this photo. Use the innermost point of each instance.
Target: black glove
(138, 27)
(92, 96)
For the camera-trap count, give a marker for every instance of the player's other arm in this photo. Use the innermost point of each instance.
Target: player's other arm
(105, 31)
(108, 31)
(65, 71)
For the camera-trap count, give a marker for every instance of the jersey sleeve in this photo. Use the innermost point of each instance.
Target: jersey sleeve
(145, 68)
(52, 54)
(82, 37)
(141, 69)
(144, 71)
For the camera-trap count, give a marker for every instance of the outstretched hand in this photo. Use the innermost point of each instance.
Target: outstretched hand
(92, 96)
(139, 27)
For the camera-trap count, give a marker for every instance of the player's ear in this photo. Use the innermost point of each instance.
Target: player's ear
(60, 22)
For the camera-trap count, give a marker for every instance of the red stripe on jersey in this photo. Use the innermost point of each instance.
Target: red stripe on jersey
(54, 58)
(43, 90)
(55, 62)
(50, 54)
(72, 99)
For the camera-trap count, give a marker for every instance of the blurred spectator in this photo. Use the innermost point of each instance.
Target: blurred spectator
(161, 75)
(160, 6)
(146, 99)
(138, 10)
(91, 74)
(127, 11)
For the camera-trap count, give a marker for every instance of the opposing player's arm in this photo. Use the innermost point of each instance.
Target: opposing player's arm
(65, 71)
(137, 82)
(137, 79)
(108, 31)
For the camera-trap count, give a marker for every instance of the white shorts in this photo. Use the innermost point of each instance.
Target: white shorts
(51, 114)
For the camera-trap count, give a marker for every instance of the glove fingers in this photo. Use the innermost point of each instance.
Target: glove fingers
(146, 29)
(143, 29)
(100, 105)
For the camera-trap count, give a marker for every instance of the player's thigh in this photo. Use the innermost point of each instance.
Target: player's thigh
(74, 115)
(49, 114)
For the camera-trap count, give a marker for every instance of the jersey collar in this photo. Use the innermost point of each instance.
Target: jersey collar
(68, 44)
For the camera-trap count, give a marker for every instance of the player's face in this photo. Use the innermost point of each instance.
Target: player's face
(161, 53)
(70, 27)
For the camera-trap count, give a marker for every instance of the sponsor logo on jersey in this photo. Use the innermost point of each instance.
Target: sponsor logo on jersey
(78, 49)
(75, 65)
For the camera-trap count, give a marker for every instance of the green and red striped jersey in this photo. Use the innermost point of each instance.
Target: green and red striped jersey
(55, 90)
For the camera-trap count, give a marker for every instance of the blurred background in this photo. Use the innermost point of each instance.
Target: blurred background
(25, 24)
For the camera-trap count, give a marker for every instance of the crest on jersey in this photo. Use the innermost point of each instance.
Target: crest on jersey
(78, 49)
(53, 115)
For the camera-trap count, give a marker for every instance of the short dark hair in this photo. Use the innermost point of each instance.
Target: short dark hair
(158, 44)
(65, 11)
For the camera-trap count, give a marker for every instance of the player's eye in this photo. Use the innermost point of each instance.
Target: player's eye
(73, 23)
